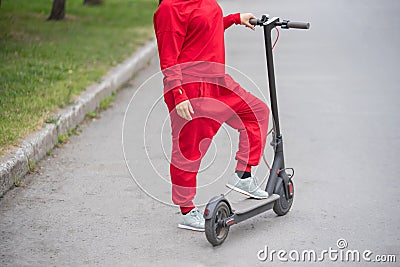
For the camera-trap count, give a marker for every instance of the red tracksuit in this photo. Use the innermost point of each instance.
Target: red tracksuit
(190, 37)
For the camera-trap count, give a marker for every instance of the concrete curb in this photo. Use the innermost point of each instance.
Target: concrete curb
(15, 164)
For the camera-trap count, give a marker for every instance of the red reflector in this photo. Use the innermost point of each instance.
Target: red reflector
(206, 212)
(290, 188)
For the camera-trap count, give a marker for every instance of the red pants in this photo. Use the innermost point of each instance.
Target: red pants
(215, 101)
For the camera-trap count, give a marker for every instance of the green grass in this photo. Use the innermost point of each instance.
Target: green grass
(45, 64)
(18, 182)
(62, 139)
(92, 114)
(53, 119)
(106, 102)
(31, 165)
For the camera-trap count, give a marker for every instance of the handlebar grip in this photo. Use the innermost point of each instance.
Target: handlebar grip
(298, 25)
(253, 22)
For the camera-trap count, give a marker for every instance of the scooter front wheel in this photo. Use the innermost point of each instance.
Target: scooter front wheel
(215, 227)
(283, 205)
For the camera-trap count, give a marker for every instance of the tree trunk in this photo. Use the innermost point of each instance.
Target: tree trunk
(58, 10)
(92, 2)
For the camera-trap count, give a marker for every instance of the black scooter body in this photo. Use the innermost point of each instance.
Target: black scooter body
(219, 214)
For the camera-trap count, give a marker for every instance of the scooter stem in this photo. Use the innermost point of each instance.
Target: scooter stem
(279, 162)
(271, 74)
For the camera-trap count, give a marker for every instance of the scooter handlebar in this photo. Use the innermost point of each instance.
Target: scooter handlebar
(284, 24)
(253, 22)
(298, 25)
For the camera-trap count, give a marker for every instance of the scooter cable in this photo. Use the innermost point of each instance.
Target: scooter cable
(266, 162)
(264, 158)
(277, 37)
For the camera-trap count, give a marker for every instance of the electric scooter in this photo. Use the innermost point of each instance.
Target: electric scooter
(219, 214)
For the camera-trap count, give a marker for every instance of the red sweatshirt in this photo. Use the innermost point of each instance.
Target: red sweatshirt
(190, 34)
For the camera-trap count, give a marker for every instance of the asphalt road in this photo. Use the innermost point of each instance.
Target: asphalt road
(338, 99)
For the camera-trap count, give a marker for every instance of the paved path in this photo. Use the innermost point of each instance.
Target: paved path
(338, 97)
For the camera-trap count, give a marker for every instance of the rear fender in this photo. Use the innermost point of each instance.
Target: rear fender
(212, 204)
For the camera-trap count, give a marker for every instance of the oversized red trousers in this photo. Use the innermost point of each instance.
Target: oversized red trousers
(215, 101)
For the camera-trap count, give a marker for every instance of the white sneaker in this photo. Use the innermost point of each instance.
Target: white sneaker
(247, 186)
(193, 220)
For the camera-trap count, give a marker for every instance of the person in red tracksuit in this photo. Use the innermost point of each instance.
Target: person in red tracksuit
(200, 96)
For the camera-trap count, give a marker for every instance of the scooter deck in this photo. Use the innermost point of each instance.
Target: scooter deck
(249, 204)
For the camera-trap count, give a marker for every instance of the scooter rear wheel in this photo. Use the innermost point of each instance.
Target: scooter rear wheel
(215, 227)
(283, 205)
